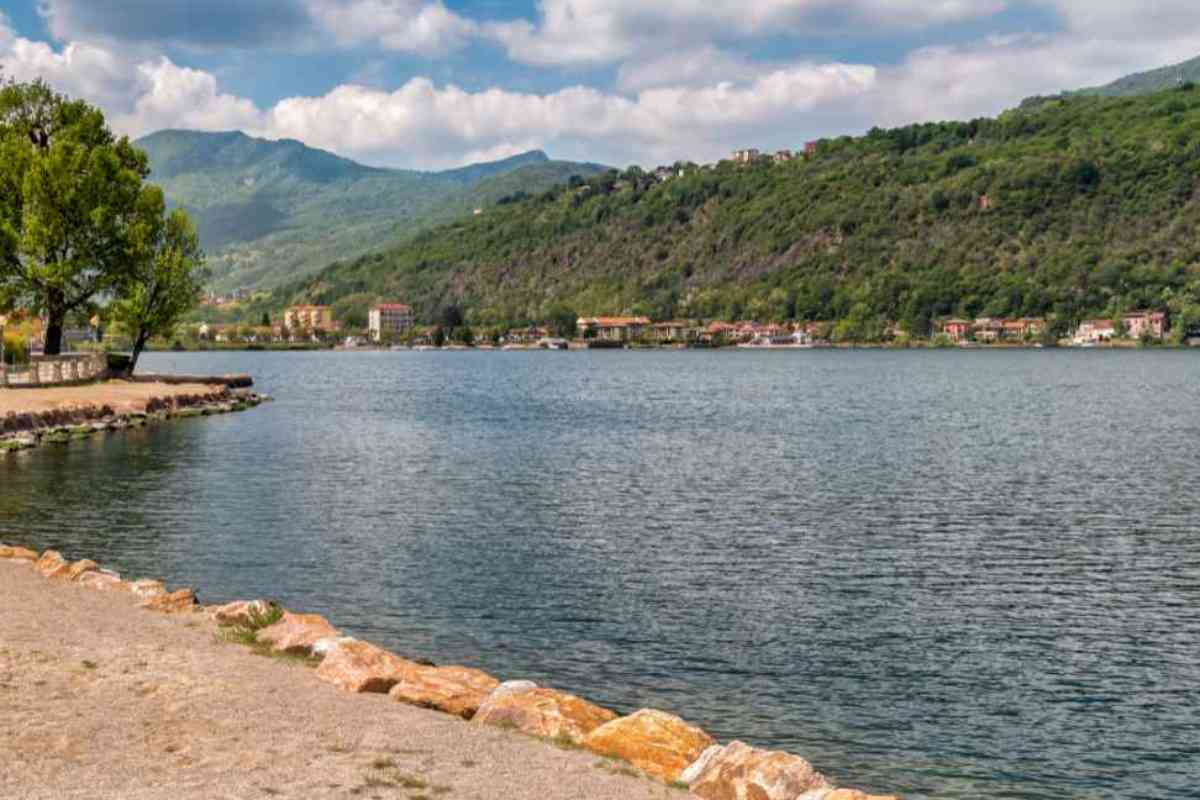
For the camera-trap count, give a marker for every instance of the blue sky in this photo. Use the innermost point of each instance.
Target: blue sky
(429, 84)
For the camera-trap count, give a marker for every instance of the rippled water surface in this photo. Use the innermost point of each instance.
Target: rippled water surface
(943, 574)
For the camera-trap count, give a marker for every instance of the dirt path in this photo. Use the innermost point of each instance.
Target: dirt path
(101, 699)
(123, 396)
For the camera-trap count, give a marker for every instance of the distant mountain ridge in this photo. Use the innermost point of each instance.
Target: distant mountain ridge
(1139, 83)
(269, 212)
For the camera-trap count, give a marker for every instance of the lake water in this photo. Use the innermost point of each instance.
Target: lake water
(944, 574)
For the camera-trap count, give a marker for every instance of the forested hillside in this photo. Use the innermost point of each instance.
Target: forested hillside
(1075, 207)
(273, 211)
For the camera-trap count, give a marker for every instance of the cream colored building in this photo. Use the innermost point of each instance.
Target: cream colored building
(389, 319)
(309, 318)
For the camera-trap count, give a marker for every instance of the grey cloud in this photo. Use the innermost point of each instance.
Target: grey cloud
(197, 23)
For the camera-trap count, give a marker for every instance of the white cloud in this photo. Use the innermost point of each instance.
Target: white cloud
(407, 25)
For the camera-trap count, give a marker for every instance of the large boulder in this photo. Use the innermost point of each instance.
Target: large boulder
(146, 588)
(52, 564)
(653, 741)
(17, 553)
(543, 712)
(244, 612)
(855, 794)
(362, 667)
(454, 690)
(740, 772)
(81, 568)
(297, 633)
(174, 603)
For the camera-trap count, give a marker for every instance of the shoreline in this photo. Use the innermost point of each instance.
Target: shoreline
(649, 748)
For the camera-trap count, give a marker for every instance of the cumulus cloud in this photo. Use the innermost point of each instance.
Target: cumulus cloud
(408, 25)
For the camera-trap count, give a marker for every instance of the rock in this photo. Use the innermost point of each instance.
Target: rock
(698, 766)
(18, 553)
(248, 613)
(855, 794)
(52, 564)
(174, 603)
(362, 667)
(146, 589)
(297, 633)
(454, 690)
(653, 741)
(543, 712)
(741, 772)
(322, 647)
(102, 581)
(81, 568)
(512, 687)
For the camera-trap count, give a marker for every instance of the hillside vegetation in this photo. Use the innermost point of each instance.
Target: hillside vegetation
(274, 211)
(1093, 209)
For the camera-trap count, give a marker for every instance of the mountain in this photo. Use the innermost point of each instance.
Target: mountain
(1155, 80)
(272, 211)
(1081, 205)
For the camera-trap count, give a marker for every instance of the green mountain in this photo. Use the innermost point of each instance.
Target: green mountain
(1155, 80)
(1077, 206)
(272, 211)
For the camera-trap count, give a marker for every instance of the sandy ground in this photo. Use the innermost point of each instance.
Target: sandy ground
(101, 699)
(121, 395)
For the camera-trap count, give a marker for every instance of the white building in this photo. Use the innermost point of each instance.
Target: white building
(389, 319)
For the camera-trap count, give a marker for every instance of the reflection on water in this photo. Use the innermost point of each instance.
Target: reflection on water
(941, 574)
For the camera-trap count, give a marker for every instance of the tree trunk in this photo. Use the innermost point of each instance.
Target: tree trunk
(56, 315)
(139, 344)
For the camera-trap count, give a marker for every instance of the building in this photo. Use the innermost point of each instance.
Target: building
(957, 329)
(810, 148)
(988, 329)
(673, 331)
(748, 156)
(530, 335)
(782, 156)
(1094, 331)
(1145, 323)
(612, 329)
(389, 319)
(309, 318)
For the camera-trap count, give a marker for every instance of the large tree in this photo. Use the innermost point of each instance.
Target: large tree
(71, 197)
(166, 277)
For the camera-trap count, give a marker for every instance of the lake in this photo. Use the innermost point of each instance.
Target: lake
(939, 573)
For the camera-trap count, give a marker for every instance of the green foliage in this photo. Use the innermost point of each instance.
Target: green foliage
(1094, 205)
(269, 212)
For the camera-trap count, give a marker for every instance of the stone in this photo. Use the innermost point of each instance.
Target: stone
(297, 633)
(102, 581)
(247, 613)
(455, 690)
(698, 766)
(655, 742)
(18, 553)
(145, 588)
(543, 712)
(81, 568)
(855, 794)
(362, 667)
(741, 772)
(174, 603)
(52, 564)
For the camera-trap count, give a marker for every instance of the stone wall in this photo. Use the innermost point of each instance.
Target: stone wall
(64, 370)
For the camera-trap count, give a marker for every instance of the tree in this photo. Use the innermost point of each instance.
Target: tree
(266, 320)
(165, 283)
(451, 317)
(562, 322)
(70, 198)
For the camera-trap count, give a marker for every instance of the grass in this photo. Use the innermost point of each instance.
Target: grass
(246, 635)
(89, 664)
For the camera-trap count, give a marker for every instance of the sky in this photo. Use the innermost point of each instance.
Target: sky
(433, 84)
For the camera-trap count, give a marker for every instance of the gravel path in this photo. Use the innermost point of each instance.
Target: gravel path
(101, 699)
(123, 396)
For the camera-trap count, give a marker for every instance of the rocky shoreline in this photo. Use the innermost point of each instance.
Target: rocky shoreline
(658, 745)
(27, 430)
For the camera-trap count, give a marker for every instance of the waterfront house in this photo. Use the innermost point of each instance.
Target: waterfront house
(389, 319)
(1094, 331)
(674, 331)
(311, 318)
(988, 329)
(612, 329)
(956, 329)
(530, 335)
(1145, 323)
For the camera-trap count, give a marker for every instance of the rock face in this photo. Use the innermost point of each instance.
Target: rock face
(362, 667)
(174, 603)
(653, 741)
(741, 772)
(454, 690)
(52, 564)
(243, 612)
(81, 568)
(855, 794)
(297, 633)
(543, 712)
(17, 553)
(146, 589)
